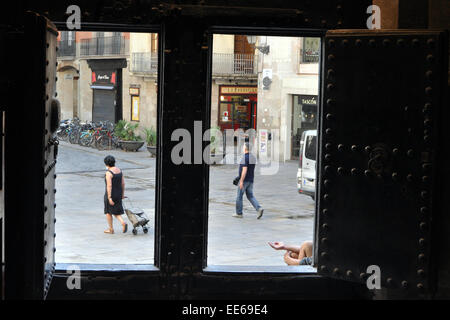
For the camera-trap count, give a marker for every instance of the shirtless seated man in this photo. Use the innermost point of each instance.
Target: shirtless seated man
(294, 255)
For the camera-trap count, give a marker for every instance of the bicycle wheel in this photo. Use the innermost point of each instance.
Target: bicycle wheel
(85, 139)
(115, 142)
(99, 144)
(91, 140)
(105, 142)
(74, 136)
(65, 135)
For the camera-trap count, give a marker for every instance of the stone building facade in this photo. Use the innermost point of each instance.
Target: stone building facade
(288, 88)
(259, 82)
(108, 76)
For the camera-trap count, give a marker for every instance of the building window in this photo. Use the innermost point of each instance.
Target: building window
(304, 117)
(310, 50)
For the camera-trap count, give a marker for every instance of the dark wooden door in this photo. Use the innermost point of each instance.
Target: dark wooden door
(30, 160)
(381, 104)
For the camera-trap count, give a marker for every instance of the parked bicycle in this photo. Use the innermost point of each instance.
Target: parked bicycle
(66, 127)
(98, 135)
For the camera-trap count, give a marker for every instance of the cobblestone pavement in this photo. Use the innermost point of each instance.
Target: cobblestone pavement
(288, 216)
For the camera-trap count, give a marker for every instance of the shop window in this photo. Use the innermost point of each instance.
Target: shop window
(310, 50)
(304, 117)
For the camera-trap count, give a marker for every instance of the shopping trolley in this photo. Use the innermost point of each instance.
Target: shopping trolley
(137, 216)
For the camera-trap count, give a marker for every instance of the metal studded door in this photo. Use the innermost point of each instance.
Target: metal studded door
(382, 95)
(51, 124)
(31, 120)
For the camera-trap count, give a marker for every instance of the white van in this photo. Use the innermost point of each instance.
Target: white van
(306, 174)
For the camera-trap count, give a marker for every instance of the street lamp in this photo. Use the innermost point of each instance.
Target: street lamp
(263, 48)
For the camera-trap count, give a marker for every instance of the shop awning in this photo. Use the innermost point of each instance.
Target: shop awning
(103, 87)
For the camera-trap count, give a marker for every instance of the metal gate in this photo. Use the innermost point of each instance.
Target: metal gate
(104, 105)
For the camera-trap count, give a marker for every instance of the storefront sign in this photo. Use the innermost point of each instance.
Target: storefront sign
(134, 91)
(103, 77)
(238, 90)
(311, 100)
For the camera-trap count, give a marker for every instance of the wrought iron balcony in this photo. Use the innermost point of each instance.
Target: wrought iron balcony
(224, 64)
(236, 64)
(310, 56)
(67, 48)
(144, 62)
(103, 46)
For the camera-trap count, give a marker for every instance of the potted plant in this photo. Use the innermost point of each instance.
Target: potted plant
(150, 138)
(126, 132)
(215, 140)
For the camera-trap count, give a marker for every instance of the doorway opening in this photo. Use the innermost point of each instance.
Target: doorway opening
(265, 221)
(108, 92)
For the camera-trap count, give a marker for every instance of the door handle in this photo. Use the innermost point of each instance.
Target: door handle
(379, 159)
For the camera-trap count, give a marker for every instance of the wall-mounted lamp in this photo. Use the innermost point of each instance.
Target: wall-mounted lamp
(263, 47)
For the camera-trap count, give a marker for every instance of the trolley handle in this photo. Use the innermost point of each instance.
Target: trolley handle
(130, 202)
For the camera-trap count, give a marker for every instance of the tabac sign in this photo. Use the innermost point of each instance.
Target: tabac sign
(308, 100)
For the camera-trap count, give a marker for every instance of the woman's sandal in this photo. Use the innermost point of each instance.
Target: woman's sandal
(111, 231)
(125, 228)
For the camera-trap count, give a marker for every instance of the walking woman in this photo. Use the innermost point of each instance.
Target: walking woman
(114, 193)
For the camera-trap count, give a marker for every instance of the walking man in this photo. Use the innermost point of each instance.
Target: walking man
(246, 174)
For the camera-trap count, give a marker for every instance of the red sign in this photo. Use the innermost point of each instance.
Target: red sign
(103, 77)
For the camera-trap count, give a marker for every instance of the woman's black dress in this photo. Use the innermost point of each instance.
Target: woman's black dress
(116, 195)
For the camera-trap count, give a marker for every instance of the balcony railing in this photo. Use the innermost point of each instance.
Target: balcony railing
(144, 62)
(223, 63)
(67, 48)
(103, 46)
(234, 64)
(310, 56)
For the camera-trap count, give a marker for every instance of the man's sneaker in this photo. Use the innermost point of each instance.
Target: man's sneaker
(237, 215)
(260, 213)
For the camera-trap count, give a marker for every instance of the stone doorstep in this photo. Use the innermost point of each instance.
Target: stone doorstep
(106, 152)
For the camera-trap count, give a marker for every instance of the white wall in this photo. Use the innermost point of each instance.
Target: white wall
(223, 43)
(140, 42)
(275, 104)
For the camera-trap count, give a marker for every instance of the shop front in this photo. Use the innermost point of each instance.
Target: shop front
(304, 117)
(237, 107)
(106, 85)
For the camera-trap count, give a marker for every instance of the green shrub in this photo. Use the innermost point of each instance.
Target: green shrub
(214, 138)
(126, 131)
(150, 136)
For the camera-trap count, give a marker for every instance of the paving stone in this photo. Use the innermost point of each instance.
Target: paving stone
(288, 216)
